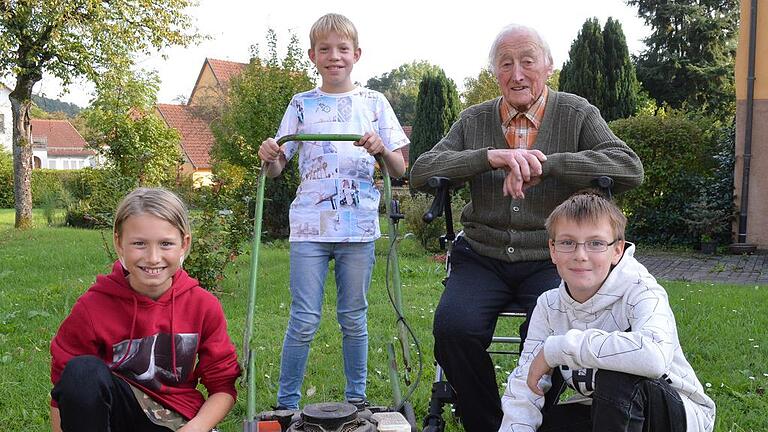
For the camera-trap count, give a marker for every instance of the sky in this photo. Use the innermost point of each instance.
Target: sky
(456, 38)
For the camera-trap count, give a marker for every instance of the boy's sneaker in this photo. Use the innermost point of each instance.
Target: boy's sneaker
(359, 403)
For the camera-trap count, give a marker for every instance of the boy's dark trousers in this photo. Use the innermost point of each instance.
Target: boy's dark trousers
(620, 402)
(477, 289)
(92, 399)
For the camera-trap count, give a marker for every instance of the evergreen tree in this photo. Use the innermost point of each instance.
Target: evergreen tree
(690, 55)
(620, 78)
(583, 73)
(437, 107)
(599, 69)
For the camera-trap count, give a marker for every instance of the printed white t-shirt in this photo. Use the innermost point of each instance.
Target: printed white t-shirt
(337, 200)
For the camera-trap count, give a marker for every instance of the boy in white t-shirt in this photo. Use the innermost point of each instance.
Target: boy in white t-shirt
(608, 333)
(335, 212)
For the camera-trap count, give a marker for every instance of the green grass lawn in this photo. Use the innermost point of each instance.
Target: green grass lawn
(44, 270)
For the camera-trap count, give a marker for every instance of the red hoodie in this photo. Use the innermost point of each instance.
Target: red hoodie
(164, 346)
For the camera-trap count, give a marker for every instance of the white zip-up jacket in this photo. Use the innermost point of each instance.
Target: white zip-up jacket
(627, 326)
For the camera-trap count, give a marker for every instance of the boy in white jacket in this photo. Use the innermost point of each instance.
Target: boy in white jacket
(608, 333)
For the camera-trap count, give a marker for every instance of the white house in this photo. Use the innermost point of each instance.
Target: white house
(6, 118)
(56, 144)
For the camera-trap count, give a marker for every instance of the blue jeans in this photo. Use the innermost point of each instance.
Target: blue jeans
(309, 266)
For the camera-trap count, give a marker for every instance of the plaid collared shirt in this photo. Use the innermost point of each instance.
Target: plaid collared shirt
(521, 128)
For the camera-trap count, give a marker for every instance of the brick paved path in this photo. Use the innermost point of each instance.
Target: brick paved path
(738, 269)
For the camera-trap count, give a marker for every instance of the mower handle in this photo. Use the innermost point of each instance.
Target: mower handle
(319, 137)
(332, 137)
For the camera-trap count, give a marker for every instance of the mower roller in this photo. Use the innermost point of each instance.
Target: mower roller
(334, 416)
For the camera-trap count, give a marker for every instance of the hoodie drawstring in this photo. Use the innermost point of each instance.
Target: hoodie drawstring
(130, 335)
(173, 336)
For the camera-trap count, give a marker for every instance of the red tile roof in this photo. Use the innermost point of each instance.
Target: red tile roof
(224, 69)
(196, 137)
(62, 138)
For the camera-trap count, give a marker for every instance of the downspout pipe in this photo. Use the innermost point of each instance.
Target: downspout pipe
(744, 205)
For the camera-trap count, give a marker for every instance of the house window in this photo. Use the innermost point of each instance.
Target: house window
(51, 163)
(2, 123)
(65, 164)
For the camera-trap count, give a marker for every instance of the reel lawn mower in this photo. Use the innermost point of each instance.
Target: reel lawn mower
(332, 416)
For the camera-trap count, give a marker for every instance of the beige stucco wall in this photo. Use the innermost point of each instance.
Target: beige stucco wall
(757, 212)
(206, 90)
(761, 54)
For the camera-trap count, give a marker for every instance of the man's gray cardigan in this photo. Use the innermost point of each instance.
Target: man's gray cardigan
(579, 147)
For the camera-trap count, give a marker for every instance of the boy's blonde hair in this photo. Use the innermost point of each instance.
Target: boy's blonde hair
(333, 23)
(587, 206)
(158, 202)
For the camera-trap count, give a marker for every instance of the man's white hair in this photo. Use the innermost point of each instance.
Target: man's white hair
(513, 28)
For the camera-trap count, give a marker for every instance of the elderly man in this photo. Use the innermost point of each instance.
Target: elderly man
(522, 154)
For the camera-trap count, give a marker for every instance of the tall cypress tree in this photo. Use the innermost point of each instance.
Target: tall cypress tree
(583, 73)
(600, 70)
(620, 78)
(437, 107)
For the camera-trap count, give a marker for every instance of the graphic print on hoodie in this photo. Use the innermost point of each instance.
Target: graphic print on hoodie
(149, 362)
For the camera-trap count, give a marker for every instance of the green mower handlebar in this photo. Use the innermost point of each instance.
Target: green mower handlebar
(331, 137)
(319, 137)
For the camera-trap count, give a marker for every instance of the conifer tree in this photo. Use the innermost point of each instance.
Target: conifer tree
(620, 79)
(437, 107)
(583, 73)
(600, 70)
(690, 55)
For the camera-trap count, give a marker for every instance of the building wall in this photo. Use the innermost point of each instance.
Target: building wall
(757, 212)
(207, 89)
(200, 177)
(6, 120)
(203, 177)
(69, 162)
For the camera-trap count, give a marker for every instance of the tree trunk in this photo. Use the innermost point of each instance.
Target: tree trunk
(21, 100)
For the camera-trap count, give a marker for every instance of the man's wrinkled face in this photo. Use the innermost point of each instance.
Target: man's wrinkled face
(521, 69)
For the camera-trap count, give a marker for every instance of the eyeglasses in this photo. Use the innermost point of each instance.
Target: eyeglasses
(569, 246)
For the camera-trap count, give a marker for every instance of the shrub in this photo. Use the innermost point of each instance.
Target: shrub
(428, 234)
(6, 179)
(711, 212)
(95, 196)
(223, 222)
(677, 151)
(184, 187)
(47, 182)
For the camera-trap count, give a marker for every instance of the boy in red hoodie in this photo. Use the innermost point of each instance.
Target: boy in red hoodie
(131, 352)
